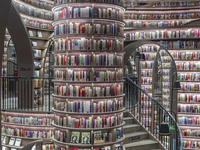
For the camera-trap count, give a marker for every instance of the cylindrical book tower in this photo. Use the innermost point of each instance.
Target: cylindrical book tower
(88, 85)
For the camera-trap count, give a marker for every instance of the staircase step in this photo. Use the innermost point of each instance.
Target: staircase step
(128, 120)
(131, 128)
(142, 145)
(135, 136)
(126, 114)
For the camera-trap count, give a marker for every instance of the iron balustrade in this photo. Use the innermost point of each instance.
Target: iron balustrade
(152, 115)
(26, 94)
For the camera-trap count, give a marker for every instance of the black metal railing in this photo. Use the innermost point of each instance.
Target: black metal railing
(152, 116)
(26, 94)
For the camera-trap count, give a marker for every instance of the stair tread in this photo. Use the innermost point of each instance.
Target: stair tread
(131, 125)
(128, 118)
(135, 134)
(139, 143)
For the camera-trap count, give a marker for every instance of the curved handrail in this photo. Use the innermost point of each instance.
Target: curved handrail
(163, 108)
(31, 144)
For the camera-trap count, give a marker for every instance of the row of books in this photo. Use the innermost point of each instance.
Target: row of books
(191, 132)
(166, 72)
(88, 44)
(180, 44)
(188, 76)
(11, 142)
(173, 15)
(37, 23)
(88, 28)
(140, 24)
(190, 87)
(89, 12)
(32, 11)
(148, 48)
(27, 133)
(191, 144)
(47, 147)
(88, 106)
(147, 73)
(149, 56)
(37, 53)
(146, 65)
(41, 4)
(147, 89)
(162, 4)
(188, 98)
(118, 2)
(88, 91)
(165, 78)
(60, 136)
(146, 80)
(162, 34)
(189, 120)
(27, 120)
(99, 122)
(187, 65)
(188, 108)
(186, 55)
(89, 60)
(88, 75)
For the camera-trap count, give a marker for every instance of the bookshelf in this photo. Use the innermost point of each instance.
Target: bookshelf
(37, 17)
(25, 128)
(165, 68)
(168, 24)
(88, 74)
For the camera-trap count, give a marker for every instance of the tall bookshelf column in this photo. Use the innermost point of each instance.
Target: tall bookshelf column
(88, 85)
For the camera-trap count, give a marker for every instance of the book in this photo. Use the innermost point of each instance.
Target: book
(98, 137)
(85, 137)
(75, 137)
(34, 43)
(12, 141)
(30, 33)
(39, 34)
(18, 142)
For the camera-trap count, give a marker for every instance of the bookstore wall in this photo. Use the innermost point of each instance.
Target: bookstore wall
(168, 24)
(88, 53)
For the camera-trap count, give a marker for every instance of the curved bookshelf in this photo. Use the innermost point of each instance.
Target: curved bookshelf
(94, 63)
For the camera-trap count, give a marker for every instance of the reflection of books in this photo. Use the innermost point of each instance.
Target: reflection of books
(85, 138)
(75, 137)
(39, 33)
(74, 149)
(12, 141)
(18, 142)
(98, 137)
